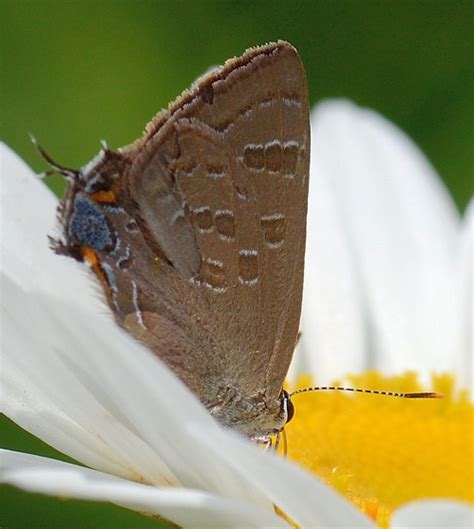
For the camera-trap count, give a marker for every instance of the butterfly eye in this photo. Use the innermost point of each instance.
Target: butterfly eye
(287, 406)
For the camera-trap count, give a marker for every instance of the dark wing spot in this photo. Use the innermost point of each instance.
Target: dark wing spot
(225, 223)
(203, 218)
(254, 157)
(207, 94)
(273, 156)
(248, 266)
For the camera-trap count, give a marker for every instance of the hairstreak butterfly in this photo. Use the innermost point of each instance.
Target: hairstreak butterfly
(196, 233)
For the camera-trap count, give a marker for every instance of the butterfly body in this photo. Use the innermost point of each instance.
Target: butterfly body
(197, 231)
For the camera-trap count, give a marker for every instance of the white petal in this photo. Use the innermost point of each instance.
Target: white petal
(28, 210)
(464, 286)
(47, 396)
(333, 332)
(434, 514)
(300, 495)
(402, 227)
(185, 507)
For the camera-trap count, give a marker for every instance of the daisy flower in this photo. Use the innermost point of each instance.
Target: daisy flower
(71, 377)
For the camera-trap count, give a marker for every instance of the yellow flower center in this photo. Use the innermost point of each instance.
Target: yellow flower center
(381, 452)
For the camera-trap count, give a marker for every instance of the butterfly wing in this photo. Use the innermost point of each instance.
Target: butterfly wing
(220, 183)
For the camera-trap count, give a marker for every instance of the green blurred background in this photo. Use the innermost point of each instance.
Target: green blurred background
(76, 72)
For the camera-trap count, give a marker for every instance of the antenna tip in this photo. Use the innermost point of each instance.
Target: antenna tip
(424, 395)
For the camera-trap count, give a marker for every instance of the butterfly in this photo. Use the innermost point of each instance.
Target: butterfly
(196, 232)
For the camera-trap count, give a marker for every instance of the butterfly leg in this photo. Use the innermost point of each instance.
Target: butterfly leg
(277, 442)
(264, 440)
